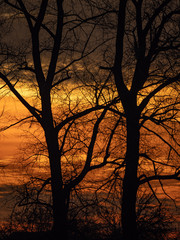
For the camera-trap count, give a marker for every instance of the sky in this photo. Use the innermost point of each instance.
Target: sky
(10, 142)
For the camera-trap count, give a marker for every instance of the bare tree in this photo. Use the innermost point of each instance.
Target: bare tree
(153, 40)
(143, 57)
(52, 39)
(42, 59)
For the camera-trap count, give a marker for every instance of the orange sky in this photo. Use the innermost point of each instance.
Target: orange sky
(10, 139)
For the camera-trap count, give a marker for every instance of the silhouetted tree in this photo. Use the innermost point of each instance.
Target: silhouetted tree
(146, 74)
(37, 55)
(143, 58)
(45, 46)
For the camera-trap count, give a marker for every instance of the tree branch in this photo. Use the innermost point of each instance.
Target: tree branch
(25, 12)
(153, 17)
(117, 69)
(31, 17)
(85, 112)
(14, 124)
(41, 15)
(175, 176)
(156, 162)
(162, 139)
(57, 43)
(107, 154)
(87, 166)
(31, 109)
(166, 83)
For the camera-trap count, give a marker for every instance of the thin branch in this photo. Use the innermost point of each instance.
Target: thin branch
(64, 137)
(154, 161)
(26, 68)
(154, 194)
(81, 57)
(31, 17)
(14, 124)
(60, 81)
(166, 83)
(25, 12)
(87, 166)
(85, 112)
(31, 109)
(161, 138)
(153, 17)
(46, 182)
(107, 154)
(175, 176)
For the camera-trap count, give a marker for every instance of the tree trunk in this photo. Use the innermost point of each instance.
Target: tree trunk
(59, 194)
(60, 226)
(130, 183)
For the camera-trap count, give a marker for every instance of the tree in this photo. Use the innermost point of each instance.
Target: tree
(143, 58)
(54, 41)
(151, 33)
